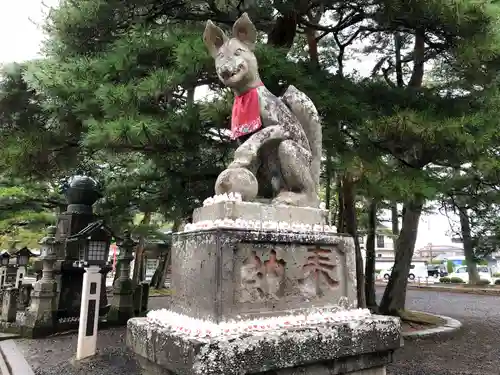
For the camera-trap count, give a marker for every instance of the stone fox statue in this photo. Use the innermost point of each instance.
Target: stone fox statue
(280, 152)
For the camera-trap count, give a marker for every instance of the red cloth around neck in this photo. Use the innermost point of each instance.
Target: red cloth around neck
(246, 113)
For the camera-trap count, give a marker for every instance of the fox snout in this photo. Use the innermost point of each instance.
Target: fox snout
(228, 70)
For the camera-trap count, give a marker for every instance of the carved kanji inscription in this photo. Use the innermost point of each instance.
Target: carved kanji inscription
(320, 272)
(262, 280)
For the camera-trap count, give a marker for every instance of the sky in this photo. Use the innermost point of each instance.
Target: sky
(20, 40)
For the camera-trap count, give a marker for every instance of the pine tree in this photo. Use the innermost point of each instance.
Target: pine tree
(120, 77)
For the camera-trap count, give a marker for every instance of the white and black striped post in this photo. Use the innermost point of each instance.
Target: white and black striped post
(89, 313)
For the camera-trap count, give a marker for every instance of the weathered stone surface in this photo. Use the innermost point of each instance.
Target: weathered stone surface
(359, 365)
(260, 212)
(223, 274)
(9, 305)
(338, 348)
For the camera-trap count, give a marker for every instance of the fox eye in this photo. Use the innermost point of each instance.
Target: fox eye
(238, 51)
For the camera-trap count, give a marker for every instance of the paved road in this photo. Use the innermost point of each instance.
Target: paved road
(473, 351)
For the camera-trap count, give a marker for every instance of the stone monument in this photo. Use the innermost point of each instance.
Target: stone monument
(81, 193)
(40, 316)
(261, 284)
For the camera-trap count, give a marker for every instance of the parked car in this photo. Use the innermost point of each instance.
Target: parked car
(436, 270)
(461, 272)
(416, 270)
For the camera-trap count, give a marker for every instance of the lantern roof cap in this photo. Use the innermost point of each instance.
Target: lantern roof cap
(24, 251)
(90, 229)
(50, 238)
(81, 189)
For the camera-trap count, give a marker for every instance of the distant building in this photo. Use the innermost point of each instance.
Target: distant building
(439, 252)
(384, 248)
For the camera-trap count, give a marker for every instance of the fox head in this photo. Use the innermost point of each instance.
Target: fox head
(235, 62)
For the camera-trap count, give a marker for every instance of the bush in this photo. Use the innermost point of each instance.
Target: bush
(378, 271)
(456, 280)
(445, 280)
(497, 282)
(483, 282)
(496, 274)
(449, 266)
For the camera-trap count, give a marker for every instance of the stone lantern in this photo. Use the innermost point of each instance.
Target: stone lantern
(122, 305)
(74, 227)
(94, 242)
(23, 256)
(49, 247)
(40, 316)
(81, 193)
(4, 262)
(22, 259)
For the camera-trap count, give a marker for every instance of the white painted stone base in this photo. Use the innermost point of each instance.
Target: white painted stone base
(87, 344)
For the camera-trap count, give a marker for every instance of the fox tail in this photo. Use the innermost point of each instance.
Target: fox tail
(303, 108)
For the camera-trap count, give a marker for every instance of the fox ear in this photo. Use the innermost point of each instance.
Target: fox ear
(244, 30)
(214, 38)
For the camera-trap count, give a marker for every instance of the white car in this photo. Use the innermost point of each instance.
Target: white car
(461, 272)
(417, 270)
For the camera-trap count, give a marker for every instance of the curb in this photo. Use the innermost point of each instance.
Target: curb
(450, 325)
(12, 361)
(457, 290)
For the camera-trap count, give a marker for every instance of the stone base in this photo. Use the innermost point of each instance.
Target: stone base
(260, 212)
(233, 274)
(328, 368)
(340, 348)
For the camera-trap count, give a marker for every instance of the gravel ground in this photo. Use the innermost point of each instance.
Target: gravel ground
(475, 350)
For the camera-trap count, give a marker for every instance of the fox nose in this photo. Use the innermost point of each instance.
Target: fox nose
(226, 73)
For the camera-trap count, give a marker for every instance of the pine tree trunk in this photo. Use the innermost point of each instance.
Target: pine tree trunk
(468, 246)
(393, 300)
(340, 213)
(351, 226)
(398, 44)
(328, 180)
(371, 301)
(395, 223)
(160, 275)
(158, 280)
(164, 271)
(138, 274)
(395, 218)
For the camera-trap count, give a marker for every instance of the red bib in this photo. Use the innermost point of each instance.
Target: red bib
(246, 113)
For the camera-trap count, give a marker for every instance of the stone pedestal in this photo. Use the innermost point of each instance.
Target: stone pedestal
(260, 212)
(9, 305)
(224, 274)
(261, 280)
(40, 316)
(71, 290)
(363, 348)
(122, 306)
